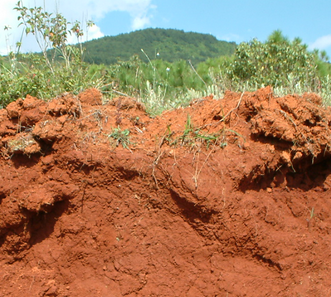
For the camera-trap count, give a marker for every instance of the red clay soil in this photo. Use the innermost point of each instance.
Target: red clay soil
(227, 197)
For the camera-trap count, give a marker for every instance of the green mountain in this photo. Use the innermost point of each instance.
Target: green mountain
(167, 44)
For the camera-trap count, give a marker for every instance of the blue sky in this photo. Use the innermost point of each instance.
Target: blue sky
(235, 20)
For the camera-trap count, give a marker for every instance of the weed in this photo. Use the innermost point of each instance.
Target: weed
(188, 130)
(312, 215)
(121, 137)
(206, 138)
(168, 136)
(192, 135)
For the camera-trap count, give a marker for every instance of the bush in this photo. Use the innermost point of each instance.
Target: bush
(273, 62)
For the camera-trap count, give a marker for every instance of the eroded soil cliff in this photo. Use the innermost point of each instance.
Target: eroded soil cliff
(227, 197)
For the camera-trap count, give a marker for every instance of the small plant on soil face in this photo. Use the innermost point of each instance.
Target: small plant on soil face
(119, 136)
(188, 130)
(193, 135)
(206, 138)
(312, 215)
(168, 136)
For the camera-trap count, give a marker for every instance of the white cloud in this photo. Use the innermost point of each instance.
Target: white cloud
(82, 10)
(91, 33)
(321, 43)
(94, 32)
(140, 22)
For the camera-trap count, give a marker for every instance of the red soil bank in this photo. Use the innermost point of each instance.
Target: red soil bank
(227, 197)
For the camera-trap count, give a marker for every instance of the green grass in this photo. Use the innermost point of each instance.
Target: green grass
(159, 87)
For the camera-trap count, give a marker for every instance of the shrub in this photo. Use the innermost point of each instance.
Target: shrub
(272, 62)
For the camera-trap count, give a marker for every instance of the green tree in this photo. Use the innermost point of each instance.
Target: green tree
(275, 62)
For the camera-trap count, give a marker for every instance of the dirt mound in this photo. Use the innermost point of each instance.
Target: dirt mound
(226, 197)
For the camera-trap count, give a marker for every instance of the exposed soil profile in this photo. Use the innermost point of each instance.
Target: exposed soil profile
(227, 197)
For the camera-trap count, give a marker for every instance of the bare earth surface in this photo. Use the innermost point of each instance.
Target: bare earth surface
(227, 197)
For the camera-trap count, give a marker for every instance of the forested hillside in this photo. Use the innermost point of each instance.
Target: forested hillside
(172, 45)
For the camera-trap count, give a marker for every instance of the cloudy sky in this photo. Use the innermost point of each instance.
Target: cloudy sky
(235, 20)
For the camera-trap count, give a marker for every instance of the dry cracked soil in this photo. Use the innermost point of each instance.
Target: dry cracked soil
(227, 197)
